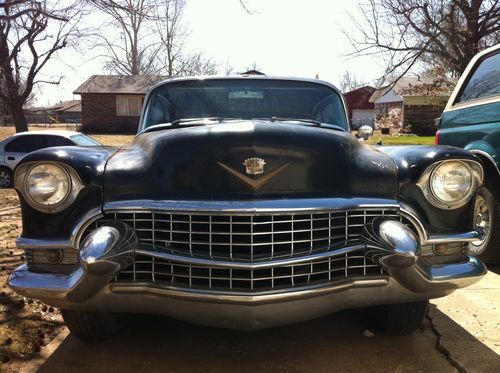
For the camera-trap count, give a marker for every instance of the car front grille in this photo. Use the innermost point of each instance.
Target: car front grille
(248, 252)
(247, 237)
(148, 269)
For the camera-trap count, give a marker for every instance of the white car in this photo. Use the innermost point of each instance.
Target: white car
(17, 146)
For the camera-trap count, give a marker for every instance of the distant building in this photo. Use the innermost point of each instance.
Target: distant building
(252, 72)
(65, 112)
(412, 101)
(361, 110)
(112, 103)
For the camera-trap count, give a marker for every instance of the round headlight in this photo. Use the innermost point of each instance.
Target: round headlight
(47, 184)
(451, 182)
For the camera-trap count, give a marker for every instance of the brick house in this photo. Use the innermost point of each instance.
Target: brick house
(413, 102)
(112, 103)
(361, 110)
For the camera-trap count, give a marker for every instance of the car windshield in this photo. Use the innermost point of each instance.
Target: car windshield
(244, 99)
(82, 140)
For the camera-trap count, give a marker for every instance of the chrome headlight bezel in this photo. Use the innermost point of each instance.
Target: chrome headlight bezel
(425, 183)
(75, 186)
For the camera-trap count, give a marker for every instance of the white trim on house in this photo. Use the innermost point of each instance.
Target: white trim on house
(390, 96)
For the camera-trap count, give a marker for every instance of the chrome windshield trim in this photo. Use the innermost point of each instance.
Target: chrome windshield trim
(255, 207)
(250, 265)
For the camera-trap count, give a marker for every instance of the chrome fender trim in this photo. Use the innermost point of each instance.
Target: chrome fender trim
(104, 252)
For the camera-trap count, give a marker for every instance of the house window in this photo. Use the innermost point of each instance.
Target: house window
(128, 106)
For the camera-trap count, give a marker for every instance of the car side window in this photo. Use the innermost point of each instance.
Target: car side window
(484, 82)
(58, 141)
(26, 144)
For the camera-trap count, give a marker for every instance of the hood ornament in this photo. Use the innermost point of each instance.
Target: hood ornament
(254, 166)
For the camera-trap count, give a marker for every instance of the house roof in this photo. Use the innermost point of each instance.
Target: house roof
(252, 72)
(64, 105)
(415, 86)
(118, 84)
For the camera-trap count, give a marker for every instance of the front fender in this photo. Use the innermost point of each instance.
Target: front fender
(89, 163)
(412, 161)
(484, 149)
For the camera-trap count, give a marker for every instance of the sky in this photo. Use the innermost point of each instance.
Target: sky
(283, 37)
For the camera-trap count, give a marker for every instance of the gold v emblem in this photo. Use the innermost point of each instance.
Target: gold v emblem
(254, 184)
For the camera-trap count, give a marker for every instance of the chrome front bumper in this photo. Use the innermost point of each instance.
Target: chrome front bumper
(108, 250)
(244, 312)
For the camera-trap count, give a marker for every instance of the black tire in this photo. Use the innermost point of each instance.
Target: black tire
(92, 325)
(5, 178)
(396, 319)
(490, 248)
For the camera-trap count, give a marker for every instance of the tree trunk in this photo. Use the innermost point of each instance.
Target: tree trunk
(16, 109)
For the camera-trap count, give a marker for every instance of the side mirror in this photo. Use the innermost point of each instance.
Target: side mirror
(365, 132)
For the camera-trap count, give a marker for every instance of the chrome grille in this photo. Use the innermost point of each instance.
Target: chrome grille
(247, 237)
(148, 269)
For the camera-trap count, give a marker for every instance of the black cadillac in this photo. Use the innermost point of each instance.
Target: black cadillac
(246, 203)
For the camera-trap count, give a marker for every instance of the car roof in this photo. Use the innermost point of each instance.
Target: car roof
(63, 133)
(243, 77)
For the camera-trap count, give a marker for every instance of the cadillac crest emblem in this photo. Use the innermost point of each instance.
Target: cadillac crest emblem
(254, 166)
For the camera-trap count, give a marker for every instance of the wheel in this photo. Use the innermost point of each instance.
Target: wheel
(396, 319)
(92, 325)
(5, 177)
(487, 222)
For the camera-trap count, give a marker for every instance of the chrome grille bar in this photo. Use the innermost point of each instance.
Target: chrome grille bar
(148, 269)
(248, 236)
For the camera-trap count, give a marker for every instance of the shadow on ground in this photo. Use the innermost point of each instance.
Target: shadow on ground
(335, 342)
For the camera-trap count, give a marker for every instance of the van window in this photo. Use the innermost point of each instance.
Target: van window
(484, 82)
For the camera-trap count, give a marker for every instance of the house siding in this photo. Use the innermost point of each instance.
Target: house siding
(389, 115)
(99, 115)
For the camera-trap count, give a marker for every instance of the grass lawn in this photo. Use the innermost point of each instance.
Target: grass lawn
(401, 140)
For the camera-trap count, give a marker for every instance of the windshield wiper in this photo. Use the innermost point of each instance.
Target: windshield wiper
(194, 120)
(202, 121)
(315, 122)
(284, 119)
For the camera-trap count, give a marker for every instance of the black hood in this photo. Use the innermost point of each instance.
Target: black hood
(207, 162)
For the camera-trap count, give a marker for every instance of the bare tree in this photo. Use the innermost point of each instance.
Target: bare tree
(31, 33)
(132, 51)
(254, 66)
(349, 81)
(152, 39)
(445, 33)
(173, 56)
